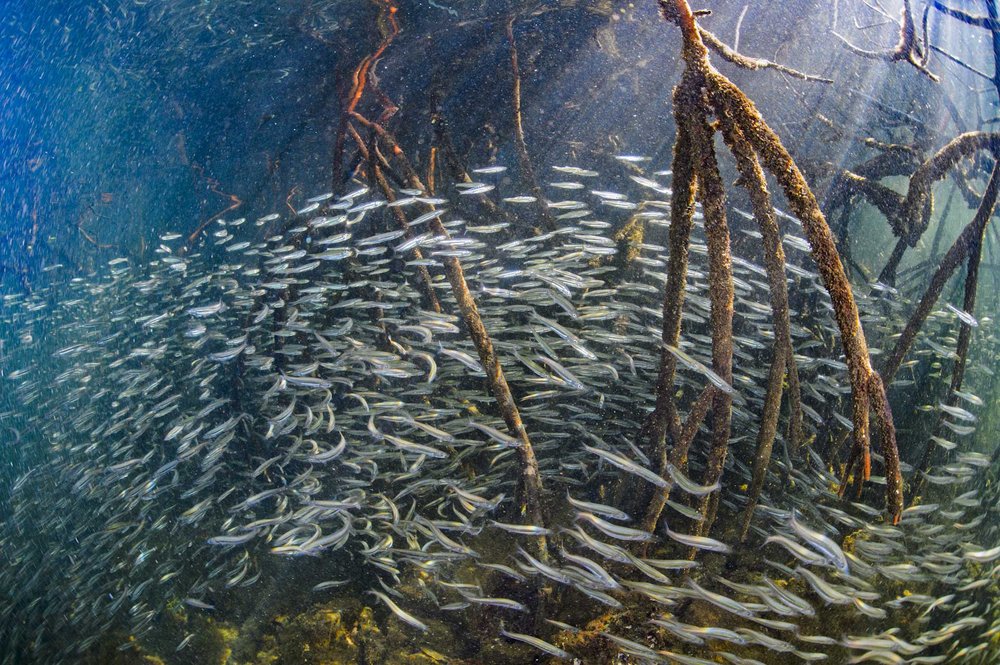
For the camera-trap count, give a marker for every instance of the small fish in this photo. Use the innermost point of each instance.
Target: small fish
(689, 485)
(803, 554)
(627, 465)
(719, 600)
(537, 643)
(503, 603)
(614, 530)
(607, 196)
(686, 511)
(230, 541)
(599, 509)
(697, 366)
(983, 556)
(479, 188)
(426, 217)
(399, 612)
(821, 543)
(823, 588)
(502, 438)
(575, 171)
(230, 354)
(544, 569)
(963, 316)
(698, 542)
(971, 398)
(961, 430)
(522, 529)
(958, 412)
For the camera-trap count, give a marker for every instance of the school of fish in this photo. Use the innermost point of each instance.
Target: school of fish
(169, 428)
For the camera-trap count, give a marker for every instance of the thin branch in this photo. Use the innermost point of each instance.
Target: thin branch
(739, 26)
(379, 179)
(712, 194)
(969, 19)
(961, 355)
(234, 203)
(679, 453)
(91, 239)
(664, 419)
(746, 62)
(359, 79)
(958, 62)
(527, 170)
(908, 49)
(79, 227)
(455, 167)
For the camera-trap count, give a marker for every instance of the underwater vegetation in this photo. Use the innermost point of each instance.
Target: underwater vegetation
(478, 407)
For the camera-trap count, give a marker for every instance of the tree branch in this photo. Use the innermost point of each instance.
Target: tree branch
(754, 64)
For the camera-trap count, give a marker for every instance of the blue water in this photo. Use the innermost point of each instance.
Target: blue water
(124, 121)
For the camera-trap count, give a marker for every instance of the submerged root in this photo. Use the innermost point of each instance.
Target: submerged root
(527, 170)
(530, 483)
(729, 100)
(678, 455)
(961, 349)
(664, 419)
(694, 146)
(919, 202)
(721, 294)
(909, 49)
(752, 178)
(957, 253)
(426, 282)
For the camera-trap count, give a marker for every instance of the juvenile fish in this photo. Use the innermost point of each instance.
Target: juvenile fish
(719, 600)
(801, 553)
(698, 542)
(598, 508)
(699, 367)
(820, 542)
(537, 643)
(398, 611)
(503, 439)
(522, 529)
(958, 412)
(614, 530)
(983, 556)
(627, 465)
(963, 316)
(822, 588)
(689, 485)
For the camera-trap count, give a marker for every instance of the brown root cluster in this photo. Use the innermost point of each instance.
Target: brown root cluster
(704, 94)
(918, 206)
